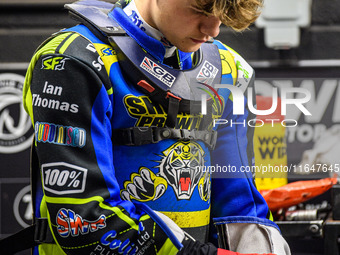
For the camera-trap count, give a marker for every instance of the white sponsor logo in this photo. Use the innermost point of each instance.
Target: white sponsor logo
(207, 73)
(158, 72)
(63, 178)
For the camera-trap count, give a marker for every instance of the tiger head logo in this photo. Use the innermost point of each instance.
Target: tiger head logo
(181, 167)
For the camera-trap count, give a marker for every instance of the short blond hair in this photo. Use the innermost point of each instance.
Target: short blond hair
(237, 14)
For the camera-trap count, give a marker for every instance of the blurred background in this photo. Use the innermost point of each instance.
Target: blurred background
(294, 44)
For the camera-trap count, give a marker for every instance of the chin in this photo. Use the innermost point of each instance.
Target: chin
(189, 48)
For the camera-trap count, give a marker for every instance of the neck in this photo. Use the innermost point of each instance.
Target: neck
(145, 8)
(140, 13)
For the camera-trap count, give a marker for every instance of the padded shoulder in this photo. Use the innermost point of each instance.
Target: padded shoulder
(94, 14)
(244, 72)
(227, 60)
(80, 44)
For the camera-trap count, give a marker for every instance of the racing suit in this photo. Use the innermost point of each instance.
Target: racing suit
(104, 198)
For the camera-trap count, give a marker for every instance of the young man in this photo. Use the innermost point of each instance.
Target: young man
(118, 157)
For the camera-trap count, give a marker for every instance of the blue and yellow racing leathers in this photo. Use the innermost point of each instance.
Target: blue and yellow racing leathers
(104, 198)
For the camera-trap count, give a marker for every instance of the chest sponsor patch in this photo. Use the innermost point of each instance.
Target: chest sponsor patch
(157, 71)
(207, 73)
(63, 178)
(70, 223)
(60, 135)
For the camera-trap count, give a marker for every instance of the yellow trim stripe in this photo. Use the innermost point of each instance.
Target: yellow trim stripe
(67, 43)
(168, 248)
(76, 201)
(144, 217)
(110, 91)
(121, 215)
(48, 249)
(190, 219)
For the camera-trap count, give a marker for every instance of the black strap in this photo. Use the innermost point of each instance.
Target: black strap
(192, 247)
(173, 108)
(136, 136)
(42, 233)
(18, 242)
(27, 238)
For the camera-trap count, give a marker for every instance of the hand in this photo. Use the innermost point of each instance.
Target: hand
(191, 247)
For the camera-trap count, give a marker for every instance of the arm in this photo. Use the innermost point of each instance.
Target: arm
(70, 104)
(239, 212)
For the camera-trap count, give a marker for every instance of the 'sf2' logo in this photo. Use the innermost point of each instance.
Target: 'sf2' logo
(54, 63)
